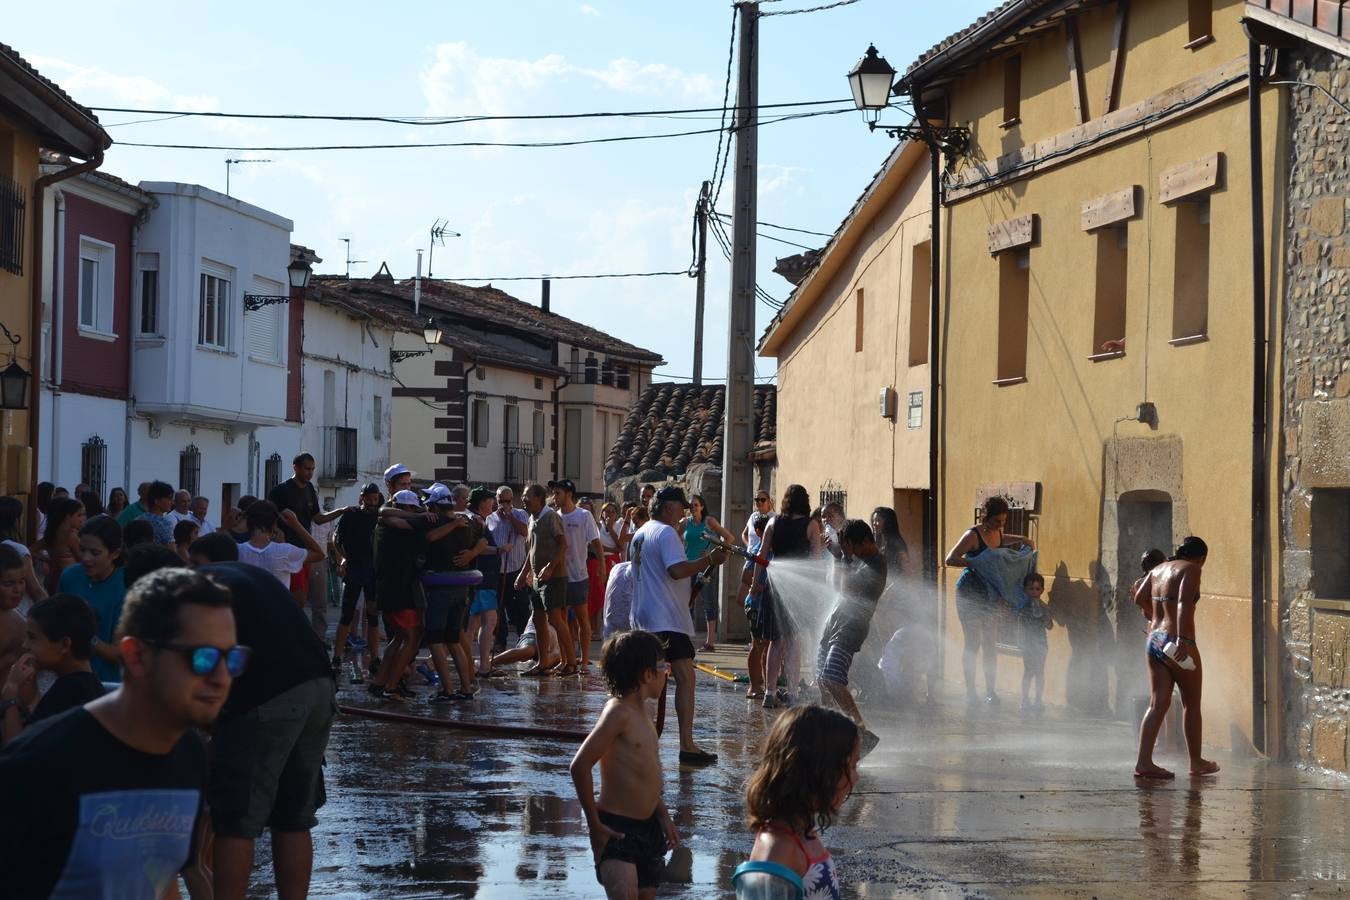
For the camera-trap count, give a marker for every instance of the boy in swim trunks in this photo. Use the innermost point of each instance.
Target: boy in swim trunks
(630, 827)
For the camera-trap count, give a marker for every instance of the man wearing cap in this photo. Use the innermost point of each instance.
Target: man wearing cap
(397, 477)
(546, 568)
(661, 603)
(298, 495)
(510, 526)
(451, 547)
(582, 535)
(397, 545)
(355, 566)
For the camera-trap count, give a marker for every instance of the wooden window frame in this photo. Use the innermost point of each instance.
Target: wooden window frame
(1012, 90)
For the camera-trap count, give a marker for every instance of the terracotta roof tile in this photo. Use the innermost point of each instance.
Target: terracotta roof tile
(674, 426)
(11, 56)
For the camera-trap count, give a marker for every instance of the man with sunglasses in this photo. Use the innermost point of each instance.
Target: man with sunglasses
(102, 800)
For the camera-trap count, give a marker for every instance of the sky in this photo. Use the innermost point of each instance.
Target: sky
(596, 209)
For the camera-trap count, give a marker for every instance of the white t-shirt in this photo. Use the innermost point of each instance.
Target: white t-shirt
(609, 544)
(204, 526)
(581, 530)
(282, 560)
(503, 533)
(619, 599)
(660, 603)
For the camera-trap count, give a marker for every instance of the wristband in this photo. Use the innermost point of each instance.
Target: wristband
(1186, 640)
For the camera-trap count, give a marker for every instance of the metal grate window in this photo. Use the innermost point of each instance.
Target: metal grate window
(833, 492)
(271, 472)
(190, 470)
(94, 465)
(13, 212)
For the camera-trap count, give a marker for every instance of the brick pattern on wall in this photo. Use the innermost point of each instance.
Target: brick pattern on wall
(1316, 381)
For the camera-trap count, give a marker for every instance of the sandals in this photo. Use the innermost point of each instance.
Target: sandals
(754, 695)
(1156, 775)
(492, 673)
(567, 672)
(534, 672)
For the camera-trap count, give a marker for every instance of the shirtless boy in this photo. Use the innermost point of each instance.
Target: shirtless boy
(630, 827)
(1170, 592)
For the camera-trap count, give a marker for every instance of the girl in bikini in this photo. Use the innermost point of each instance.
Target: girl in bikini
(1170, 591)
(809, 768)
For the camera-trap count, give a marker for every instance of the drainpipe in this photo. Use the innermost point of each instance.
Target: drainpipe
(468, 422)
(133, 330)
(58, 332)
(1260, 529)
(35, 318)
(932, 550)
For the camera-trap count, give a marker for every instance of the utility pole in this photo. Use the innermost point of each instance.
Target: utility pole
(701, 218)
(738, 426)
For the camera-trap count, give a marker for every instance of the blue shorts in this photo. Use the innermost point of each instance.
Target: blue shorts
(484, 600)
(833, 663)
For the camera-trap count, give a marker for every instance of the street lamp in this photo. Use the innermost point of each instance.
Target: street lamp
(299, 274)
(14, 378)
(431, 334)
(870, 80)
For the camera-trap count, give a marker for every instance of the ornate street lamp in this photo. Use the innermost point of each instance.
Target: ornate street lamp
(870, 80)
(431, 334)
(14, 378)
(298, 272)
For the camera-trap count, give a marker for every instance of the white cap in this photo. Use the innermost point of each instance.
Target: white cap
(438, 493)
(407, 498)
(396, 470)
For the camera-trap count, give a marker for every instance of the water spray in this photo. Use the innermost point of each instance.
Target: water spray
(737, 551)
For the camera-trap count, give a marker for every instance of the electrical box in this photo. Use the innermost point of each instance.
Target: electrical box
(887, 403)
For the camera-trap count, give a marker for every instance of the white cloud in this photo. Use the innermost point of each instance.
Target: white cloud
(778, 178)
(588, 10)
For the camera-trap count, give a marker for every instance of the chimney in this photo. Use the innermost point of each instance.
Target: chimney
(543, 295)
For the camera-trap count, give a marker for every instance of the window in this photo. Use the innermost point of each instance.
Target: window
(834, 492)
(148, 263)
(97, 261)
(213, 311)
(1330, 531)
(920, 297)
(1201, 16)
(12, 210)
(94, 464)
(1108, 322)
(511, 422)
(1190, 285)
(572, 444)
(271, 473)
(575, 368)
(480, 422)
(190, 470)
(1014, 287)
(378, 416)
(265, 327)
(915, 409)
(539, 429)
(858, 321)
(1012, 90)
(329, 398)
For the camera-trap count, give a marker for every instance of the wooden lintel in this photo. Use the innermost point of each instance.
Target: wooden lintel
(1071, 47)
(1188, 179)
(1006, 235)
(1108, 209)
(1116, 66)
(1189, 98)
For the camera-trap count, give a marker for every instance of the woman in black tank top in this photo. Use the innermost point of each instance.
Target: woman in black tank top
(792, 534)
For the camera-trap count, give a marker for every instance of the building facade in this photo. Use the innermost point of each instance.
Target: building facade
(1097, 326)
(852, 346)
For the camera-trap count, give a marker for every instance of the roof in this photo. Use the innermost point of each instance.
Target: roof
(63, 124)
(970, 44)
(387, 303)
(1327, 24)
(674, 426)
(887, 181)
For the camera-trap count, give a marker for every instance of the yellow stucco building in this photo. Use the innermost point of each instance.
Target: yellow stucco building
(1097, 326)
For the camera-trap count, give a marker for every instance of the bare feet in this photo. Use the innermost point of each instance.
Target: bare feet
(1204, 767)
(1153, 771)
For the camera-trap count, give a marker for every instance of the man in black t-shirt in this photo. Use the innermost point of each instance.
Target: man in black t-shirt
(298, 495)
(102, 800)
(354, 542)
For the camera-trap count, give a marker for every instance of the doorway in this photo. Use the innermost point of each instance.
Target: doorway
(1144, 520)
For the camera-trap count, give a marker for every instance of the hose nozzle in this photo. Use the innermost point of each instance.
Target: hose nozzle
(738, 551)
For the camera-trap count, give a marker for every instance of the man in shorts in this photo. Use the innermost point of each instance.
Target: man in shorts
(661, 603)
(583, 535)
(546, 569)
(448, 605)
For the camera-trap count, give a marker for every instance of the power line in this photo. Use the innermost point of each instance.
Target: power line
(825, 234)
(718, 163)
(769, 237)
(444, 120)
(809, 9)
(457, 278)
(452, 144)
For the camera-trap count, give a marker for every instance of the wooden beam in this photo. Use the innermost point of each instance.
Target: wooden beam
(1006, 235)
(1116, 66)
(1071, 47)
(1189, 179)
(1109, 209)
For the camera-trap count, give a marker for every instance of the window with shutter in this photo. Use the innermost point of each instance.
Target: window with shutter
(264, 326)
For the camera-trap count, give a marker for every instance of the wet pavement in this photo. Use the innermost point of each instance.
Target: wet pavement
(955, 802)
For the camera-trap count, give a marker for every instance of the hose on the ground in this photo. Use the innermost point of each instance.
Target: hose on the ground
(561, 734)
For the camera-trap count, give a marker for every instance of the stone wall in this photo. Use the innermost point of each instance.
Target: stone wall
(1316, 410)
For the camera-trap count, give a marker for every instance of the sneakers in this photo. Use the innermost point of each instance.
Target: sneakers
(356, 643)
(428, 673)
(777, 700)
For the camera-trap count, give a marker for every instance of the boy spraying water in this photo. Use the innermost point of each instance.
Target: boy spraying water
(630, 827)
(864, 579)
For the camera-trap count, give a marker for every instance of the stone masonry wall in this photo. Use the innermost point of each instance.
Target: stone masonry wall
(1316, 404)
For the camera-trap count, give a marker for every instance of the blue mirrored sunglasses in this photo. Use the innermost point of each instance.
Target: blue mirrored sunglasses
(205, 659)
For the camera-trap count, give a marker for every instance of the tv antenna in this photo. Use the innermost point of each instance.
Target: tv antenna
(348, 242)
(235, 162)
(438, 236)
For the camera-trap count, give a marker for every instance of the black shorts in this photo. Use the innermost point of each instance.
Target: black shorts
(643, 845)
(446, 612)
(552, 595)
(676, 645)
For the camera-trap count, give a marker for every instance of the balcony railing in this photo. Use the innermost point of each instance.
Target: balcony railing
(522, 463)
(12, 210)
(339, 454)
